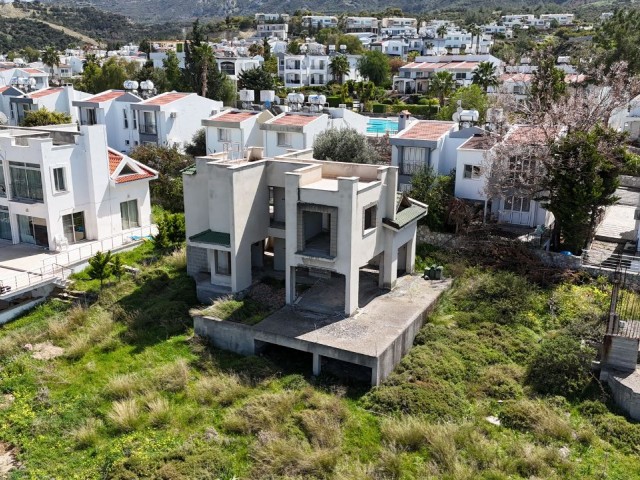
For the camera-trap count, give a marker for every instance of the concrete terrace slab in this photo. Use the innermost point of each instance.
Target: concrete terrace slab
(618, 224)
(376, 337)
(371, 330)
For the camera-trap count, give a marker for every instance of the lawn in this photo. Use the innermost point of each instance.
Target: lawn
(134, 395)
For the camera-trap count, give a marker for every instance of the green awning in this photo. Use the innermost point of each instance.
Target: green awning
(190, 170)
(406, 216)
(214, 238)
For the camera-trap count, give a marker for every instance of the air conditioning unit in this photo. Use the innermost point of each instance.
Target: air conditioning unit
(173, 114)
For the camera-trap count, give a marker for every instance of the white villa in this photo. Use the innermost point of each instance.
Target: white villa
(60, 187)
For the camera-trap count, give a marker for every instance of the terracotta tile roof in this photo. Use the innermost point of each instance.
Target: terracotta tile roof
(575, 78)
(480, 142)
(105, 96)
(45, 92)
(4, 89)
(515, 77)
(292, 119)
(426, 130)
(234, 116)
(165, 98)
(114, 160)
(134, 176)
(529, 135)
(463, 65)
(33, 70)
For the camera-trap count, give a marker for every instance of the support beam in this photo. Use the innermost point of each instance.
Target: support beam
(316, 364)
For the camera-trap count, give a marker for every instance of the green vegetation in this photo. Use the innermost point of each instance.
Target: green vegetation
(344, 145)
(135, 396)
(19, 33)
(43, 117)
(374, 66)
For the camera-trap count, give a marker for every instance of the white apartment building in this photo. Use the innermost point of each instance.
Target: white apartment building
(112, 109)
(312, 70)
(58, 187)
(233, 65)
(24, 78)
(170, 118)
(320, 21)
(271, 17)
(415, 76)
(298, 131)
(268, 30)
(561, 18)
(362, 24)
(235, 130)
(295, 214)
(59, 99)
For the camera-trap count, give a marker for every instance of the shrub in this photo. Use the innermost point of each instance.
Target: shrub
(265, 412)
(171, 231)
(379, 108)
(125, 415)
(43, 117)
(535, 417)
(333, 101)
(246, 310)
(619, 432)
(218, 389)
(321, 428)
(159, 411)
(87, 434)
(172, 377)
(344, 145)
(500, 382)
(407, 432)
(124, 386)
(561, 366)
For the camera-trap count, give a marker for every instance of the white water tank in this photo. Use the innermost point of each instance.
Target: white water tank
(130, 85)
(317, 99)
(295, 98)
(267, 95)
(469, 116)
(246, 95)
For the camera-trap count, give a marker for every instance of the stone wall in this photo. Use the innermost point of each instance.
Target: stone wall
(629, 181)
(439, 239)
(558, 260)
(624, 389)
(197, 260)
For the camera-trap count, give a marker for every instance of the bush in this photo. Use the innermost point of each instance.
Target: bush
(171, 231)
(333, 101)
(619, 432)
(379, 108)
(125, 415)
(535, 417)
(561, 366)
(500, 382)
(428, 111)
(344, 145)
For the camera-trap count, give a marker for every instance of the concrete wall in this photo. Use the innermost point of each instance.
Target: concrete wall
(620, 353)
(624, 394)
(629, 181)
(234, 337)
(470, 188)
(197, 260)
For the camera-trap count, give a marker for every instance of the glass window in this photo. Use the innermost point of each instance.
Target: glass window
(129, 214)
(26, 181)
(3, 185)
(148, 124)
(73, 227)
(223, 262)
(91, 116)
(5, 224)
(284, 139)
(413, 160)
(134, 114)
(471, 171)
(224, 135)
(126, 119)
(59, 181)
(370, 217)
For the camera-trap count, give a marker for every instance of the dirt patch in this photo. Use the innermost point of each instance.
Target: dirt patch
(44, 351)
(6, 400)
(7, 459)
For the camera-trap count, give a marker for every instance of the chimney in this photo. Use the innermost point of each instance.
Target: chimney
(403, 116)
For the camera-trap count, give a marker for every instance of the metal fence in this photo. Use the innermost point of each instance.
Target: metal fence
(56, 267)
(609, 261)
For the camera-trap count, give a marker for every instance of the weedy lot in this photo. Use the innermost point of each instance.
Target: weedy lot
(134, 395)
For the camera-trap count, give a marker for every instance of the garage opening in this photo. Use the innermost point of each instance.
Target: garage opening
(346, 371)
(288, 359)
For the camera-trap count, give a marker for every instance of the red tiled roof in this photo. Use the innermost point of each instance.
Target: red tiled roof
(575, 78)
(106, 96)
(480, 142)
(45, 92)
(515, 77)
(134, 176)
(292, 119)
(165, 98)
(426, 130)
(32, 70)
(234, 116)
(529, 135)
(114, 160)
(4, 89)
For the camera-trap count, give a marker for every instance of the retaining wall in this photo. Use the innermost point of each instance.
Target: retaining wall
(235, 337)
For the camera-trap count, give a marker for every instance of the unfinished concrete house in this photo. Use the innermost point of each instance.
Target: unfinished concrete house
(296, 215)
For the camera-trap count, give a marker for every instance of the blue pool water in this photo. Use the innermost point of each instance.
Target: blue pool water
(382, 125)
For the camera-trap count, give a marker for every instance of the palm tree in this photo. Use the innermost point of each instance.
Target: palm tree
(205, 60)
(475, 31)
(50, 58)
(441, 31)
(442, 84)
(339, 66)
(485, 75)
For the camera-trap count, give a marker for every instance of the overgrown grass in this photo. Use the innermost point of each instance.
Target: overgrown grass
(134, 396)
(241, 310)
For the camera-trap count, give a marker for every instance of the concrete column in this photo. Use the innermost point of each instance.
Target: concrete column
(390, 267)
(316, 364)
(411, 255)
(381, 270)
(352, 287)
(290, 285)
(375, 376)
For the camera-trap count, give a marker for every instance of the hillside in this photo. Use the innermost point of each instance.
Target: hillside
(117, 388)
(153, 11)
(18, 33)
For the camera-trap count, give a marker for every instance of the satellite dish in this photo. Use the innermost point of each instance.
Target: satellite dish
(3, 119)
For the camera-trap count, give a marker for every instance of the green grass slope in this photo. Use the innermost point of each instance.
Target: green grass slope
(135, 396)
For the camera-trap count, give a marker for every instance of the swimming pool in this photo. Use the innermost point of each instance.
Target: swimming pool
(381, 126)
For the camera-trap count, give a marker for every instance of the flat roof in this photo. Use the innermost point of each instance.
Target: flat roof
(165, 98)
(234, 116)
(479, 142)
(426, 130)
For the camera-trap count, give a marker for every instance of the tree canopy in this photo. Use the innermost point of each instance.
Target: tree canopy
(255, 79)
(344, 145)
(43, 117)
(374, 66)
